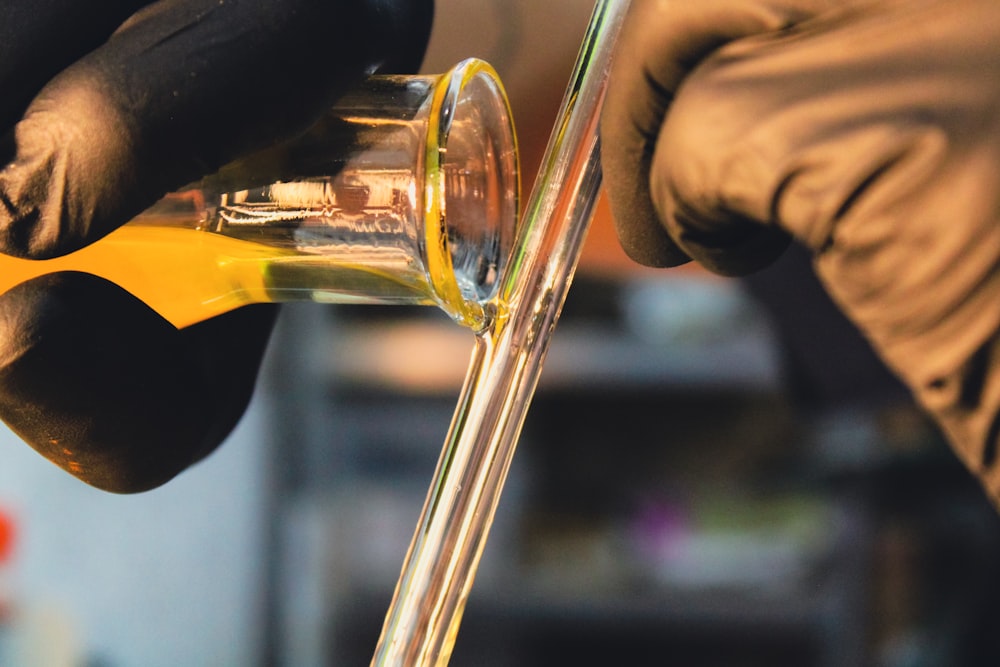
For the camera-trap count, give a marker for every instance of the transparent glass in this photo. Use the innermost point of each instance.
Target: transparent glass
(422, 622)
(407, 193)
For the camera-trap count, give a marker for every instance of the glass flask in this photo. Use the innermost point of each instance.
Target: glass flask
(406, 193)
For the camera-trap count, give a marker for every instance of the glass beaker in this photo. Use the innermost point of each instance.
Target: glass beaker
(407, 193)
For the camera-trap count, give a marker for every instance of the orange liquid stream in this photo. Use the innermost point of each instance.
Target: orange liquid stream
(189, 275)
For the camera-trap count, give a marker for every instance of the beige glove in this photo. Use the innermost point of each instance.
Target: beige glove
(867, 131)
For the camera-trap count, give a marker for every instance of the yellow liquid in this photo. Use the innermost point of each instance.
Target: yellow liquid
(189, 275)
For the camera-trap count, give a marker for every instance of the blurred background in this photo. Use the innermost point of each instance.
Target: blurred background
(713, 473)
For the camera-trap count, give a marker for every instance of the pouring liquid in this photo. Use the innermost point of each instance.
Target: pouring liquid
(188, 274)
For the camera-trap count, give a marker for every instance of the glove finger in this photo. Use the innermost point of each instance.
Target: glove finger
(783, 130)
(39, 38)
(102, 386)
(182, 88)
(659, 45)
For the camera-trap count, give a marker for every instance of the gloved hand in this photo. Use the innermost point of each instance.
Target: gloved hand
(120, 102)
(867, 130)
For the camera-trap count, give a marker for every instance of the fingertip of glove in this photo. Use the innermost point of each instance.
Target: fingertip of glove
(643, 237)
(640, 233)
(100, 385)
(751, 252)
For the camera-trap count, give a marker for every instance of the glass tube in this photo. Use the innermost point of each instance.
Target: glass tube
(423, 619)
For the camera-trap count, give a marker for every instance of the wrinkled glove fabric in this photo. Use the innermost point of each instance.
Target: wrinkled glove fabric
(867, 131)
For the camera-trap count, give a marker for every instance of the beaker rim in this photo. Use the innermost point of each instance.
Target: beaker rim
(463, 303)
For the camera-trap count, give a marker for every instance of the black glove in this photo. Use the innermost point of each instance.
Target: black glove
(120, 102)
(867, 130)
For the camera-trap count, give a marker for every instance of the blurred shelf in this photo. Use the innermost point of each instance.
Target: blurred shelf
(432, 357)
